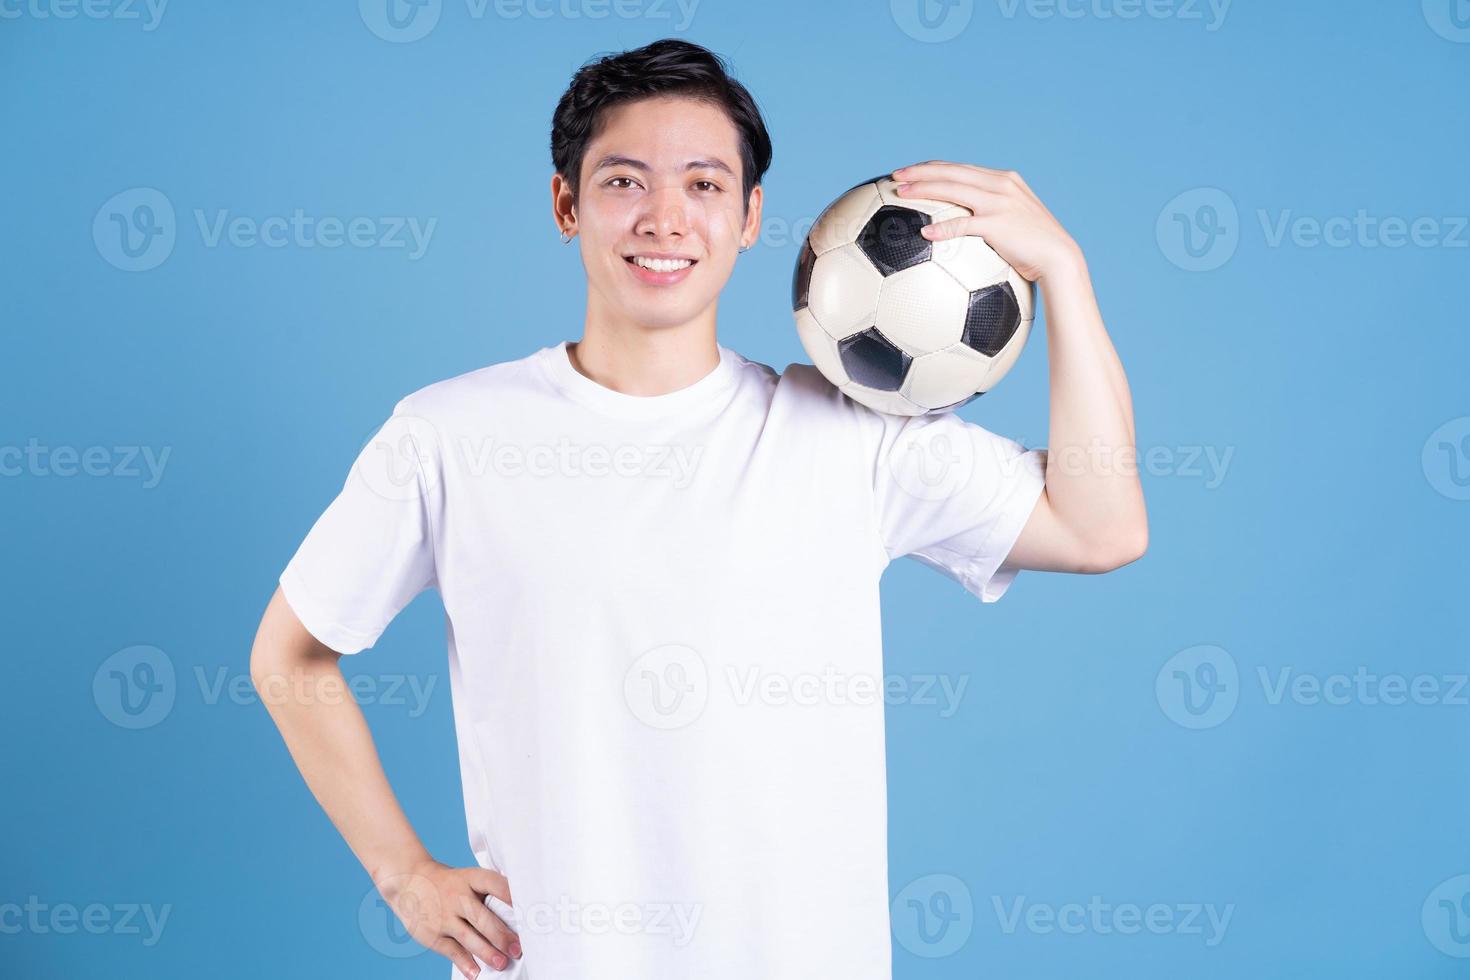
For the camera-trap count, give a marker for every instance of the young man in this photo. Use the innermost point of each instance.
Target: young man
(659, 562)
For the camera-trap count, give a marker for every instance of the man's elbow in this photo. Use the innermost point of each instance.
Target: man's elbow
(283, 646)
(1123, 547)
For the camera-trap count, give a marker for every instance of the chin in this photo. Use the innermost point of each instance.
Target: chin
(662, 315)
(660, 319)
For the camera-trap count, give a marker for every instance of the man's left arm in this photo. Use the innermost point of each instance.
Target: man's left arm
(1091, 515)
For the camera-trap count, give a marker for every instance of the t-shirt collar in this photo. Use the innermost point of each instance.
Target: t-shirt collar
(558, 366)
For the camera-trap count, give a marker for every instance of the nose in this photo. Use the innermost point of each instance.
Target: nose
(664, 213)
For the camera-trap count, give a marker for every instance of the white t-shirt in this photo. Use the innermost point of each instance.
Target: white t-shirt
(664, 645)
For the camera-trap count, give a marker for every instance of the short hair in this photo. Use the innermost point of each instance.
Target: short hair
(665, 67)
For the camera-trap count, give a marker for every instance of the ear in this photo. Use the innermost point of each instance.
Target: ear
(562, 209)
(752, 228)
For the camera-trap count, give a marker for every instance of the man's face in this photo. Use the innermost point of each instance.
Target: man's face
(662, 180)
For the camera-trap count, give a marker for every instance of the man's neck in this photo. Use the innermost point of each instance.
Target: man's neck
(645, 362)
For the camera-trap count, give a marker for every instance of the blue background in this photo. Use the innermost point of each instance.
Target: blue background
(1332, 541)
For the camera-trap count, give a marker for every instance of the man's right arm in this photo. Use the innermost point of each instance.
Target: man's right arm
(301, 684)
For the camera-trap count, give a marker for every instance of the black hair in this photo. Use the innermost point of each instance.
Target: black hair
(665, 67)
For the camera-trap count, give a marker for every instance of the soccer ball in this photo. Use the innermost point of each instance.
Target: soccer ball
(897, 322)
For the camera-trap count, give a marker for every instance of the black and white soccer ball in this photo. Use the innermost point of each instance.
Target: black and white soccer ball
(897, 322)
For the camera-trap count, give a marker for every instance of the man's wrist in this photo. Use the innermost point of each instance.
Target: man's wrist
(1069, 267)
(1066, 281)
(396, 862)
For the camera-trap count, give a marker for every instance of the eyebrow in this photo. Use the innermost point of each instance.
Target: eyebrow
(615, 160)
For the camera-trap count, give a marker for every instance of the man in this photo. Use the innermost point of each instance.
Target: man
(645, 543)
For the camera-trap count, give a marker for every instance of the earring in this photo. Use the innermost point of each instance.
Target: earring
(565, 237)
(744, 248)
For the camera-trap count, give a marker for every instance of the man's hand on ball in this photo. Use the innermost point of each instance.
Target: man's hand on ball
(1010, 218)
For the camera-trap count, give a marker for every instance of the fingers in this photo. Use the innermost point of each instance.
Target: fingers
(488, 882)
(953, 228)
(493, 928)
(998, 181)
(447, 913)
(457, 955)
(978, 200)
(471, 939)
(963, 172)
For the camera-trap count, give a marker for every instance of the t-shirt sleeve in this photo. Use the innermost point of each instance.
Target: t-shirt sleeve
(371, 551)
(954, 496)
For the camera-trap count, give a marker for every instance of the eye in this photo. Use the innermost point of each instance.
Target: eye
(712, 184)
(610, 182)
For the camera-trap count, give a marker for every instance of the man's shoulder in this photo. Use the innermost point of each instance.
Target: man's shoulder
(808, 381)
(495, 383)
(797, 378)
(815, 395)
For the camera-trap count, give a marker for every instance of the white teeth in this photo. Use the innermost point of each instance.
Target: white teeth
(662, 265)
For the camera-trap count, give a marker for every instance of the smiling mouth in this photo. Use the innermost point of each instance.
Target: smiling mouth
(661, 265)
